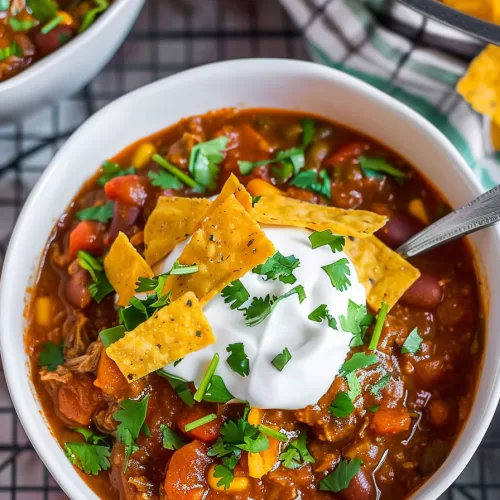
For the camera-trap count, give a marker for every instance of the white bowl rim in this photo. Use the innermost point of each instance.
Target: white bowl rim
(312, 69)
(50, 61)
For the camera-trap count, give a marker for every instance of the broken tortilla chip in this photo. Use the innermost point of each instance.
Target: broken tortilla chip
(232, 186)
(480, 86)
(123, 267)
(282, 211)
(385, 275)
(228, 244)
(488, 10)
(171, 333)
(172, 221)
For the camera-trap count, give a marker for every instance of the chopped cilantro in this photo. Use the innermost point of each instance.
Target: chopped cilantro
(255, 200)
(177, 172)
(379, 167)
(338, 273)
(102, 213)
(164, 180)
(91, 437)
(90, 15)
(377, 331)
(158, 282)
(308, 131)
(260, 308)
(101, 287)
(382, 383)
(217, 391)
(374, 408)
(281, 359)
(238, 360)
(340, 478)
(179, 385)
(90, 458)
(14, 49)
(4, 5)
(412, 342)
(273, 433)
(200, 393)
(283, 172)
(342, 406)
(354, 385)
(199, 422)
(43, 10)
(321, 313)
(111, 170)
(225, 476)
(205, 159)
(111, 335)
(279, 267)
(358, 360)
(53, 23)
(357, 321)
(171, 440)
(235, 294)
(326, 237)
(51, 356)
(295, 156)
(296, 453)
(241, 435)
(19, 24)
(308, 179)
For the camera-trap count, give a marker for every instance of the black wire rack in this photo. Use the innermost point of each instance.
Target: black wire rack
(169, 36)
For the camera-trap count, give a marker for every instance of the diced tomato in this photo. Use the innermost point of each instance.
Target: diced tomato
(207, 432)
(348, 152)
(391, 421)
(86, 236)
(127, 189)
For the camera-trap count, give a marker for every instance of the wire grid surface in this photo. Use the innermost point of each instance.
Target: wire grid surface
(169, 36)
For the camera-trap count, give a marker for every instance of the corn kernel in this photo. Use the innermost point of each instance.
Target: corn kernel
(417, 209)
(143, 155)
(67, 18)
(43, 312)
(258, 187)
(239, 483)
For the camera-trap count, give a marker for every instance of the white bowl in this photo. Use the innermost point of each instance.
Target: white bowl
(69, 68)
(251, 83)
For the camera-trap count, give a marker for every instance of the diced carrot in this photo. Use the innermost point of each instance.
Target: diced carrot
(127, 189)
(109, 377)
(86, 236)
(206, 433)
(348, 152)
(259, 187)
(391, 421)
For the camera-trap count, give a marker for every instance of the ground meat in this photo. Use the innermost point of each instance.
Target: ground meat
(88, 361)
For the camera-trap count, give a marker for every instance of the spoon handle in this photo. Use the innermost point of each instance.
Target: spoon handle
(482, 212)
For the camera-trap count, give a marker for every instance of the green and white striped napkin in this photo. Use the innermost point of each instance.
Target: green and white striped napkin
(346, 35)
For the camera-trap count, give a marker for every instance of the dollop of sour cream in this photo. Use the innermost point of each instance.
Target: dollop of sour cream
(317, 350)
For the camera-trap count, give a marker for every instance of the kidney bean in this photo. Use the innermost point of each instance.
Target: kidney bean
(399, 229)
(425, 293)
(54, 39)
(361, 487)
(76, 290)
(124, 217)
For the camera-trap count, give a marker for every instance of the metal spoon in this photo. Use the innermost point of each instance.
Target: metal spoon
(482, 212)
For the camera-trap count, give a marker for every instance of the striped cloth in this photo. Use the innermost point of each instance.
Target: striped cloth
(346, 35)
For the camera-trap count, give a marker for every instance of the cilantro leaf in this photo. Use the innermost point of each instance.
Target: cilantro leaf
(255, 200)
(204, 160)
(225, 476)
(158, 282)
(279, 267)
(260, 308)
(131, 415)
(19, 24)
(91, 437)
(111, 170)
(340, 478)
(308, 179)
(338, 273)
(171, 440)
(308, 131)
(179, 385)
(281, 359)
(51, 356)
(90, 16)
(101, 287)
(374, 408)
(326, 237)
(124, 436)
(111, 335)
(43, 10)
(412, 342)
(164, 180)
(102, 213)
(14, 49)
(380, 384)
(342, 406)
(238, 360)
(379, 167)
(235, 294)
(293, 155)
(217, 391)
(357, 321)
(90, 458)
(177, 172)
(354, 386)
(321, 313)
(296, 453)
(359, 360)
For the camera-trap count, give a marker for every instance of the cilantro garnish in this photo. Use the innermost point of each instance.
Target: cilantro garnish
(338, 273)
(205, 159)
(111, 335)
(296, 453)
(235, 294)
(90, 458)
(164, 180)
(340, 478)
(377, 331)
(255, 200)
(379, 168)
(53, 23)
(217, 391)
(357, 321)
(158, 282)
(179, 385)
(90, 16)
(43, 10)
(200, 393)
(308, 179)
(51, 356)
(19, 24)
(14, 49)
(101, 287)
(261, 307)
(177, 172)
(359, 360)
(171, 440)
(225, 475)
(111, 170)
(342, 406)
(279, 267)
(281, 359)
(273, 433)
(238, 360)
(354, 385)
(321, 313)
(326, 237)
(92, 437)
(380, 384)
(4, 5)
(374, 408)
(102, 213)
(239, 435)
(308, 131)
(199, 422)
(412, 342)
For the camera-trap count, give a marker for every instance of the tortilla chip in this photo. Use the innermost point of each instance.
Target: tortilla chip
(171, 222)
(385, 275)
(484, 9)
(232, 186)
(480, 86)
(123, 267)
(170, 334)
(228, 244)
(282, 211)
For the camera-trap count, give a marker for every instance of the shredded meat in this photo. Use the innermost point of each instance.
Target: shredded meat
(87, 362)
(77, 340)
(53, 380)
(179, 152)
(104, 420)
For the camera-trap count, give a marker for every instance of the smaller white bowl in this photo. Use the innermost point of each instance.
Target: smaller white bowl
(69, 68)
